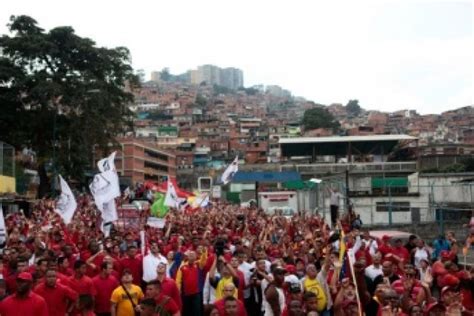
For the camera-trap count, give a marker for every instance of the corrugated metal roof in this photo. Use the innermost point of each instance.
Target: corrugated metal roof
(345, 139)
(268, 177)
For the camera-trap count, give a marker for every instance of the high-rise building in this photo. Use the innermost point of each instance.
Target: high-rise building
(231, 78)
(156, 76)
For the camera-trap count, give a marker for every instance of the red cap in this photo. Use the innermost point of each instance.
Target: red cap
(290, 268)
(385, 237)
(450, 280)
(444, 254)
(26, 276)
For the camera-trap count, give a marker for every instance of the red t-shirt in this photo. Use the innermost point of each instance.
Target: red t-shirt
(33, 304)
(57, 298)
(169, 288)
(170, 305)
(220, 305)
(104, 288)
(83, 285)
(136, 267)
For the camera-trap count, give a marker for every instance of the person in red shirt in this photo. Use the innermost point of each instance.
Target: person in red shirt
(24, 302)
(63, 266)
(79, 282)
(234, 262)
(85, 306)
(231, 307)
(168, 285)
(164, 303)
(190, 280)
(400, 253)
(133, 262)
(385, 248)
(58, 297)
(10, 280)
(104, 284)
(225, 310)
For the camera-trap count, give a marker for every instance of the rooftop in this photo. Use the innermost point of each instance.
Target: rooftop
(346, 139)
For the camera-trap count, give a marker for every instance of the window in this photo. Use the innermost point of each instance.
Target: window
(396, 206)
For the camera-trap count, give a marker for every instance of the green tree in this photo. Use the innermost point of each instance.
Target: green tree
(353, 107)
(319, 118)
(61, 95)
(201, 101)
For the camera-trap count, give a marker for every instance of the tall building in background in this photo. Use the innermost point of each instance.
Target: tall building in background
(231, 78)
(156, 76)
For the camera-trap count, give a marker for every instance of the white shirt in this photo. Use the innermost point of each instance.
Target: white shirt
(334, 199)
(372, 272)
(150, 263)
(209, 292)
(420, 254)
(267, 265)
(281, 299)
(245, 267)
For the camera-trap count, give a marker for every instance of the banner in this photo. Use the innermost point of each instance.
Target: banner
(109, 213)
(66, 204)
(3, 231)
(159, 209)
(108, 163)
(171, 198)
(105, 187)
(230, 171)
(156, 222)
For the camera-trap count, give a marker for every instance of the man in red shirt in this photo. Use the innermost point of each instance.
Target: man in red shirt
(58, 297)
(24, 302)
(225, 307)
(104, 284)
(190, 280)
(79, 282)
(168, 285)
(164, 303)
(133, 262)
(10, 280)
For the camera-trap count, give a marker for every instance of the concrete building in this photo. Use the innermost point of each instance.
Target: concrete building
(140, 161)
(232, 78)
(156, 76)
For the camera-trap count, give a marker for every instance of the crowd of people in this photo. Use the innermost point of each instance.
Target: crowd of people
(225, 260)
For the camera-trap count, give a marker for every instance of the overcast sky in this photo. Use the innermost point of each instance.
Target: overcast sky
(388, 54)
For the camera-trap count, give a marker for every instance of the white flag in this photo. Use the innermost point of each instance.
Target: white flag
(230, 171)
(109, 213)
(66, 204)
(3, 231)
(104, 188)
(171, 198)
(108, 163)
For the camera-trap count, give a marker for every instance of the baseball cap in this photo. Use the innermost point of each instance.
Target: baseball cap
(385, 237)
(25, 276)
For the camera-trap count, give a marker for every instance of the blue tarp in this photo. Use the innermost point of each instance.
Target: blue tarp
(268, 177)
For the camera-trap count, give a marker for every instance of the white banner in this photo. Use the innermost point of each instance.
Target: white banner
(230, 171)
(171, 198)
(108, 163)
(3, 231)
(66, 204)
(109, 214)
(104, 188)
(156, 222)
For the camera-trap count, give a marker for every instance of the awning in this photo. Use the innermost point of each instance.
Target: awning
(299, 185)
(379, 183)
(266, 177)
